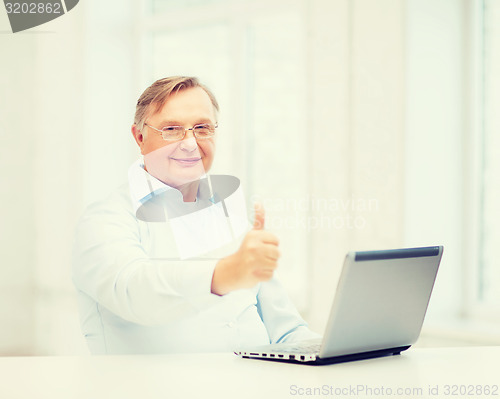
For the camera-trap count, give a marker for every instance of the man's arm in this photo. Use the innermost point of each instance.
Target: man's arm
(111, 266)
(255, 262)
(282, 320)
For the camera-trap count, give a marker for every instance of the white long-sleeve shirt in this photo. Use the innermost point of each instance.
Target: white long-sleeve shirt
(145, 286)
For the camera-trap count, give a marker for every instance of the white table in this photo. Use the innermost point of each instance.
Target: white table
(420, 373)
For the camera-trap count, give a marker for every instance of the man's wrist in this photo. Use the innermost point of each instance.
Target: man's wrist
(224, 279)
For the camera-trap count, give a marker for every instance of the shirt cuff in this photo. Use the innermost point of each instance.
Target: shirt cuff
(194, 277)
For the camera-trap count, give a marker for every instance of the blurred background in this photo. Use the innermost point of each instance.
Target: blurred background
(360, 124)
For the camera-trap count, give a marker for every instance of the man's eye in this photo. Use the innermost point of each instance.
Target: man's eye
(204, 129)
(170, 129)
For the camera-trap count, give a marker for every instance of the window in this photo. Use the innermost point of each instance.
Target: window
(489, 272)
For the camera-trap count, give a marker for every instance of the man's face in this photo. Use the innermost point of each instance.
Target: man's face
(178, 162)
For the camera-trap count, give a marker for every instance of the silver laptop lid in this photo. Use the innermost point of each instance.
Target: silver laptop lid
(381, 300)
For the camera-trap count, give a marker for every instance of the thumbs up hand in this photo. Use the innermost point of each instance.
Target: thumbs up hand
(254, 262)
(258, 223)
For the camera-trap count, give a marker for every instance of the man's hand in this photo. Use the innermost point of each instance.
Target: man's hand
(255, 260)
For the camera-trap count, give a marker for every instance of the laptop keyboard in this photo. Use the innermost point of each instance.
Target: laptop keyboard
(301, 348)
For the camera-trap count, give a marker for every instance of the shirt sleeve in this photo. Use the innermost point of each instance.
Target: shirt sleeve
(282, 320)
(111, 266)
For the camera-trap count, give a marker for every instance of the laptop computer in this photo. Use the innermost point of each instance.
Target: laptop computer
(378, 309)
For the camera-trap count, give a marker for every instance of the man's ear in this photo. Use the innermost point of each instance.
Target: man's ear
(138, 136)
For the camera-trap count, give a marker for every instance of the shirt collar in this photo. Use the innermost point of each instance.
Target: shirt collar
(144, 186)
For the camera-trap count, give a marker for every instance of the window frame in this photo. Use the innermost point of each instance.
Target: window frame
(474, 308)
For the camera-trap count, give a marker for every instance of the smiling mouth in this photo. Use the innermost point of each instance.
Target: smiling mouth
(187, 161)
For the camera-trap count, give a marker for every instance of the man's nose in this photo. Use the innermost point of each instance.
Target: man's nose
(189, 142)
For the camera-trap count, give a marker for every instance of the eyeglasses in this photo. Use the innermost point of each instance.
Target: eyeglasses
(201, 131)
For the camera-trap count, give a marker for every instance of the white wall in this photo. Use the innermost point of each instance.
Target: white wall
(17, 231)
(357, 110)
(434, 128)
(67, 103)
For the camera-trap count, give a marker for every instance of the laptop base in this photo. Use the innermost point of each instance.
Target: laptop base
(339, 359)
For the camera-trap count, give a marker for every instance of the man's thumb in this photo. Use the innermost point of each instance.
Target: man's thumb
(260, 218)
